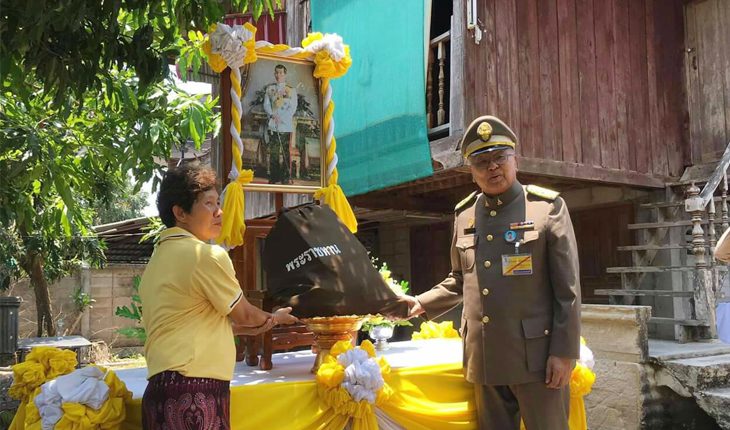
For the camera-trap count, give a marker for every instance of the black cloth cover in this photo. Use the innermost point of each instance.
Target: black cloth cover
(314, 264)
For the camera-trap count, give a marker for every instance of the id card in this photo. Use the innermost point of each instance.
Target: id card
(516, 264)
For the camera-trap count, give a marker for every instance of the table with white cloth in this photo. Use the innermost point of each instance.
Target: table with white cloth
(426, 374)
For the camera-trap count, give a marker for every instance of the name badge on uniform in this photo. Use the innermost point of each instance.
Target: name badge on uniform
(516, 264)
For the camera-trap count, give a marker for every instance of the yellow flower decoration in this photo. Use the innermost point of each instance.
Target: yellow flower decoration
(581, 381)
(324, 65)
(216, 62)
(335, 396)
(368, 347)
(340, 347)
(433, 330)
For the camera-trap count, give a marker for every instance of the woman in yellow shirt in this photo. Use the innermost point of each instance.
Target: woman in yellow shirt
(189, 291)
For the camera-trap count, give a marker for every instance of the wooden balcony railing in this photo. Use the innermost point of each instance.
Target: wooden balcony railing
(438, 92)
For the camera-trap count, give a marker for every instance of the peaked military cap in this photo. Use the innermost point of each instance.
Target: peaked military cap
(487, 133)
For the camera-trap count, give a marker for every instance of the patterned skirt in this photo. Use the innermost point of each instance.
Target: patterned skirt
(175, 402)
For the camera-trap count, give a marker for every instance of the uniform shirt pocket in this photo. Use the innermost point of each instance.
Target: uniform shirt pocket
(530, 236)
(467, 247)
(537, 333)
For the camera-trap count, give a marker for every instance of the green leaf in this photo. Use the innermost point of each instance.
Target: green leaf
(154, 133)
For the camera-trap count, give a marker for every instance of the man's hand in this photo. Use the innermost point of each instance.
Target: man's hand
(414, 306)
(558, 371)
(284, 316)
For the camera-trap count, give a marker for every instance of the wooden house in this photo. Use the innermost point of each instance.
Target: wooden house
(620, 105)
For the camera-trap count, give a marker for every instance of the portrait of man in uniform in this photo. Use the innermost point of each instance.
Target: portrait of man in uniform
(514, 265)
(281, 125)
(280, 104)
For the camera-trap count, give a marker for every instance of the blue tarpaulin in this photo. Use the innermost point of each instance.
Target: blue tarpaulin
(380, 118)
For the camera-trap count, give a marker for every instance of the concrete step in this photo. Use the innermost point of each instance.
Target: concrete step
(716, 402)
(660, 269)
(701, 373)
(654, 247)
(638, 293)
(676, 321)
(663, 224)
(669, 204)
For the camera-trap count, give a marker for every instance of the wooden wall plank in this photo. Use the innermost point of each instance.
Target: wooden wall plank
(489, 51)
(605, 47)
(672, 96)
(473, 74)
(569, 91)
(504, 31)
(528, 74)
(622, 75)
(592, 82)
(724, 18)
(587, 83)
(511, 81)
(501, 62)
(638, 103)
(658, 147)
(692, 79)
(456, 78)
(549, 71)
(709, 63)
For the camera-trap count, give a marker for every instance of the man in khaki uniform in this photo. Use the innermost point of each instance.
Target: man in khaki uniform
(515, 266)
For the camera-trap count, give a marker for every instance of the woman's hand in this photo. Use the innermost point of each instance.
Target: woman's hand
(253, 331)
(284, 316)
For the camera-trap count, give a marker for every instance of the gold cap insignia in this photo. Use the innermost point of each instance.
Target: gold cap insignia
(484, 131)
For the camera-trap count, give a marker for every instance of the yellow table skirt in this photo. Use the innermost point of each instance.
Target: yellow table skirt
(429, 397)
(430, 392)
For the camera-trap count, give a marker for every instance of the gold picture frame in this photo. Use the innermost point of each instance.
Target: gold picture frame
(281, 125)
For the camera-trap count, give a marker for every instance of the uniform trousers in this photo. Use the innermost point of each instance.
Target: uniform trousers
(499, 407)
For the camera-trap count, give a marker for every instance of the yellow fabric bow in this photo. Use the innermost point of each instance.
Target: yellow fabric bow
(234, 205)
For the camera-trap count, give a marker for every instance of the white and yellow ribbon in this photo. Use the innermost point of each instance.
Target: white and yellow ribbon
(233, 47)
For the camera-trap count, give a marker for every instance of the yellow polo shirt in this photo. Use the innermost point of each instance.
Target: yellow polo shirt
(188, 289)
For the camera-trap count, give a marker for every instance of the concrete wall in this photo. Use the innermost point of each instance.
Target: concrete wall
(110, 287)
(617, 335)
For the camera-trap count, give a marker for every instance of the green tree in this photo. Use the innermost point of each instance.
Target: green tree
(84, 101)
(121, 203)
(56, 160)
(73, 46)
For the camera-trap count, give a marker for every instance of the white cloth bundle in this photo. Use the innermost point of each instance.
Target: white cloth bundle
(85, 386)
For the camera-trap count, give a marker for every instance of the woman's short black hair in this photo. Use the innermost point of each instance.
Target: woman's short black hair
(181, 186)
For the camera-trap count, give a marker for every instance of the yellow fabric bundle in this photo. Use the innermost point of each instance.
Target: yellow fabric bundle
(44, 364)
(434, 330)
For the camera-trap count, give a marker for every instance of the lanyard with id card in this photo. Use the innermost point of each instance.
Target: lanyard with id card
(517, 264)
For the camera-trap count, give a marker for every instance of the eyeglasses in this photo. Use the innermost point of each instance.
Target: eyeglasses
(485, 163)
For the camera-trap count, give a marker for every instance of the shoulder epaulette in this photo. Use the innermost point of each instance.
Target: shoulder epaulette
(470, 198)
(542, 192)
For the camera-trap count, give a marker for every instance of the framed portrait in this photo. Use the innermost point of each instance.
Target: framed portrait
(281, 127)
